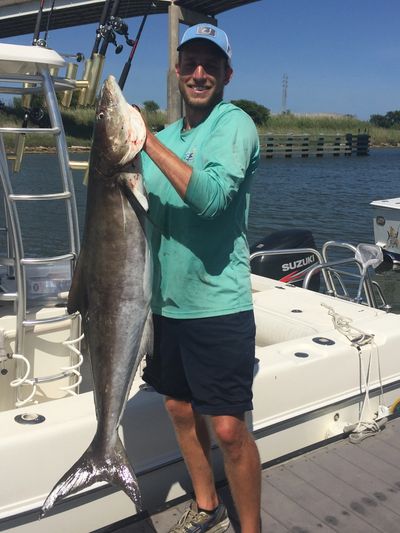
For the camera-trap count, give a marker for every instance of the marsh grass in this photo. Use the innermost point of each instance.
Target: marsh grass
(78, 124)
(314, 125)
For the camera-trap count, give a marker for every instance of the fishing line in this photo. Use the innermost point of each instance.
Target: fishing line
(127, 66)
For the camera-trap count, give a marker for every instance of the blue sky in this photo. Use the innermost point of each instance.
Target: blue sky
(340, 56)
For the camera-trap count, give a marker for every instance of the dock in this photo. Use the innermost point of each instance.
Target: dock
(342, 487)
(305, 145)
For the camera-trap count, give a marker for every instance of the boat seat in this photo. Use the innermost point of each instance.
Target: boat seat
(273, 328)
(284, 312)
(274, 302)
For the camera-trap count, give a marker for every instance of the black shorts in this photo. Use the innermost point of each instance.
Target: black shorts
(206, 361)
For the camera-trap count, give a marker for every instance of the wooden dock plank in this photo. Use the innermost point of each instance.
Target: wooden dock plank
(333, 479)
(372, 464)
(339, 491)
(391, 434)
(288, 512)
(381, 449)
(341, 487)
(364, 482)
(391, 438)
(269, 523)
(315, 501)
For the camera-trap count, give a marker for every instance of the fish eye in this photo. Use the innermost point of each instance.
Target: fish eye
(100, 115)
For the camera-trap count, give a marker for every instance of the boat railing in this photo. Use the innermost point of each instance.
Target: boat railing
(15, 259)
(333, 273)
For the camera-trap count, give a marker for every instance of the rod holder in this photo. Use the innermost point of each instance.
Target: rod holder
(94, 78)
(72, 69)
(85, 78)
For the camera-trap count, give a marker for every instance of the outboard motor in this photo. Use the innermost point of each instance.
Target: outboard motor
(287, 267)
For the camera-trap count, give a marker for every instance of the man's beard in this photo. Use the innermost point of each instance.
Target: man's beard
(200, 103)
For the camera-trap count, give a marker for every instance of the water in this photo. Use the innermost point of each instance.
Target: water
(329, 196)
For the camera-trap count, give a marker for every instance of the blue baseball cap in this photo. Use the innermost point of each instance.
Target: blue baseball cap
(212, 34)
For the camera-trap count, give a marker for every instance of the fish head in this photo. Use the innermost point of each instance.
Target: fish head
(119, 130)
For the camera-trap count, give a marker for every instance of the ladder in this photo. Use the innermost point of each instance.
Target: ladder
(14, 62)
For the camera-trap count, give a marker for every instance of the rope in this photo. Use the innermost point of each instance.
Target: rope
(65, 372)
(356, 336)
(359, 339)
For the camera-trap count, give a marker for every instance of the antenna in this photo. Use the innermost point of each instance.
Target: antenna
(285, 83)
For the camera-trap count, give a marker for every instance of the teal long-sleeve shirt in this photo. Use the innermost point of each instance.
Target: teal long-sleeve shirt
(199, 245)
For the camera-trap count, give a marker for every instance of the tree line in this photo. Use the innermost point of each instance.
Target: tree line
(259, 113)
(390, 120)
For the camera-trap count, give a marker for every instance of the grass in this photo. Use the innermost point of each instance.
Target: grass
(78, 124)
(284, 124)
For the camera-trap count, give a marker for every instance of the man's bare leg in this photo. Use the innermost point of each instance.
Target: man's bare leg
(194, 441)
(242, 468)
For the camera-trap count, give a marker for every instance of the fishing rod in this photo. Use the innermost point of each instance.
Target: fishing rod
(48, 21)
(108, 32)
(100, 28)
(36, 41)
(94, 65)
(26, 99)
(128, 64)
(36, 34)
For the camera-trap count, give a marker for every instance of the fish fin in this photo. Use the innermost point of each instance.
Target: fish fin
(75, 295)
(146, 344)
(141, 212)
(136, 198)
(89, 469)
(123, 475)
(142, 199)
(85, 180)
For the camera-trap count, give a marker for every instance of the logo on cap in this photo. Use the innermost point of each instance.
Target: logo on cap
(206, 30)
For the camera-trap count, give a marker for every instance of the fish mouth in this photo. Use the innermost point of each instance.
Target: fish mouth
(110, 94)
(121, 130)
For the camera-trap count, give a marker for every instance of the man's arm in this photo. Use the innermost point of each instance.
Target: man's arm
(176, 170)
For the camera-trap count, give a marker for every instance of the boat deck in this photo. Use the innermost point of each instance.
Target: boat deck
(343, 487)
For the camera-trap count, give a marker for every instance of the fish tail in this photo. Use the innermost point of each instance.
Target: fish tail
(121, 474)
(93, 467)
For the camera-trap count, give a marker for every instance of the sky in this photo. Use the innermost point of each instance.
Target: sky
(339, 56)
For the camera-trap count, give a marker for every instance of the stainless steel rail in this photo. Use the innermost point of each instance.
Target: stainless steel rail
(36, 197)
(330, 272)
(35, 83)
(15, 259)
(50, 131)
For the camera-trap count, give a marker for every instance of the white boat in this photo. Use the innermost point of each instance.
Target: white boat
(386, 229)
(327, 364)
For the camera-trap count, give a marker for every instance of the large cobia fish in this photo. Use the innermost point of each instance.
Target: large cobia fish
(111, 289)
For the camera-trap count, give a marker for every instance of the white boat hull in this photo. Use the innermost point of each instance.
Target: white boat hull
(299, 401)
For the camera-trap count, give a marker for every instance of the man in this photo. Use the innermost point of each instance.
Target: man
(198, 173)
